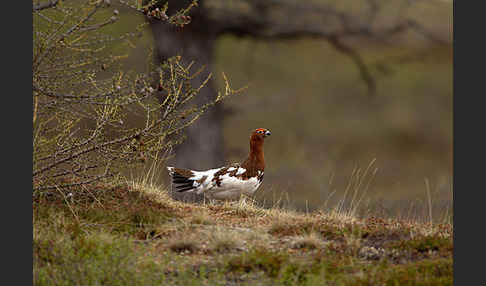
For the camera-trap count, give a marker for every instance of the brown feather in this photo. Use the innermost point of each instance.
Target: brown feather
(183, 172)
(256, 160)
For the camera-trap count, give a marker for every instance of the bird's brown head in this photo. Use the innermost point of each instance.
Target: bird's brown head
(256, 159)
(259, 134)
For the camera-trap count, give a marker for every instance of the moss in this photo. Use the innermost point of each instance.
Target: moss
(430, 272)
(424, 244)
(93, 259)
(117, 210)
(269, 262)
(286, 228)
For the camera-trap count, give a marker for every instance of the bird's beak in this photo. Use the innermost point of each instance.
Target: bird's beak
(267, 133)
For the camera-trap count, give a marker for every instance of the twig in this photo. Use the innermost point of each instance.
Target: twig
(94, 179)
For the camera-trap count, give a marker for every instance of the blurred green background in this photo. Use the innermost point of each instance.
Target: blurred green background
(325, 125)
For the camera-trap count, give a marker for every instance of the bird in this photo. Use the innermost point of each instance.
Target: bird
(228, 182)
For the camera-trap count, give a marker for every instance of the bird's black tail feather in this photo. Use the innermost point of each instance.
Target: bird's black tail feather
(180, 182)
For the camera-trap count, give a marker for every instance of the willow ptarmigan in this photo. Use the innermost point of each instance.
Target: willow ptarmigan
(229, 182)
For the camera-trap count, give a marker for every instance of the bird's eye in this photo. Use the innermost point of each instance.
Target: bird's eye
(259, 131)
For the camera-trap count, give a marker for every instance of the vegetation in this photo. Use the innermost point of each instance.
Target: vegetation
(91, 118)
(134, 233)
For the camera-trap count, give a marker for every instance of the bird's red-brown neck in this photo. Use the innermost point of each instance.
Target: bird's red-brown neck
(255, 161)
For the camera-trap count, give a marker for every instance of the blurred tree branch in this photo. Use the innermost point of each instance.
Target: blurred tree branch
(44, 5)
(358, 61)
(284, 19)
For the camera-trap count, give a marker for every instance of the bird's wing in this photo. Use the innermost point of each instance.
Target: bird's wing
(199, 181)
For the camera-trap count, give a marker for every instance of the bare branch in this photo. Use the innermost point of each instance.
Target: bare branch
(69, 96)
(358, 60)
(79, 118)
(84, 151)
(61, 186)
(99, 25)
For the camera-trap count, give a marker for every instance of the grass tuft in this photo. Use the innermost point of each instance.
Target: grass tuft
(184, 245)
(309, 241)
(224, 241)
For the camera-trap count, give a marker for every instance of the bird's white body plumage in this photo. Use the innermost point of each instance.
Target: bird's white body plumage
(226, 186)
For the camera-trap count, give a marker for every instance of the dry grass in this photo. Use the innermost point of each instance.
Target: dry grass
(184, 244)
(224, 240)
(308, 241)
(180, 243)
(201, 217)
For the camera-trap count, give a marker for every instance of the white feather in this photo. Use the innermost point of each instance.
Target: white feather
(207, 183)
(233, 187)
(240, 171)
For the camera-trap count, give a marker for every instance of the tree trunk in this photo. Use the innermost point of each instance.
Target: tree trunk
(203, 146)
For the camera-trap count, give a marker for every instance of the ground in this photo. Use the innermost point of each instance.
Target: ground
(134, 234)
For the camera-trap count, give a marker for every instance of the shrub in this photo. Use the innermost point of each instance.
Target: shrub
(84, 103)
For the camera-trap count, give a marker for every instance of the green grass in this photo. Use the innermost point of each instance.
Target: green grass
(137, 235)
